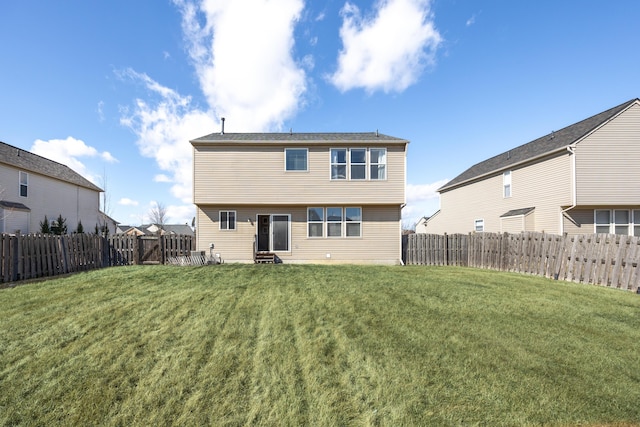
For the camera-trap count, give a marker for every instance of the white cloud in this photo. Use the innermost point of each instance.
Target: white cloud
(164, 128)
(422, 200)
(161, 178)
(180, 214)
(471, 21)
(242, 53)
(68, 152)
(388, 50)
(127, 202)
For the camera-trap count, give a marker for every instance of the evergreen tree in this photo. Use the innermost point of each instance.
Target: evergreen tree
(44, 226)
(80, 228)
(59, 227)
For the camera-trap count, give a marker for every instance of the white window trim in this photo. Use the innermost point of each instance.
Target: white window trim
(322, 222)
(235, 222)
(506, 183)
(370, 163)
(294, 170)
(20, 184)
(365, 164)
(475, 225)
(633, 221)
(352, 222)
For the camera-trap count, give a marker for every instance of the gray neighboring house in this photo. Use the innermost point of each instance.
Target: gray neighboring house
(581, 179)
(32, 187)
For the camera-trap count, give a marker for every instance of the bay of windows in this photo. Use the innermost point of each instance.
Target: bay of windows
(351, 163)
(334, 221)
(617, 221)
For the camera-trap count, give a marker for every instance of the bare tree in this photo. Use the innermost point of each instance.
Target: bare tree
(158, 214)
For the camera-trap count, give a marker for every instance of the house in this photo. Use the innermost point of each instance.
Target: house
(301, 197)
(582, 179)
(32, 187)
(152, 229)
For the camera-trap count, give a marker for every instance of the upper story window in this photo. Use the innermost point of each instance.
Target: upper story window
(227, 220)
(359, 163)
(506, 184)
(295, 159)
(378, 163)
(24, 184)
(338, 163)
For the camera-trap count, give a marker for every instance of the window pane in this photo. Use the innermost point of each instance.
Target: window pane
(602, 229)
(334, 214)
(621, 217)
(315, 214)
(280, 227)
(378, 172)
(479, 224)
(622, 229)
(358, 155)
(603, 217)
(353, 229)
(23, 191)
(296, 159)
(232, 220)
(636, 230)
(334, 229)
(353, 214)
(507, 191)
(223, 220)
(315, 229)
(338, 172)
(339, 155)
(358, 171)
(378, 155)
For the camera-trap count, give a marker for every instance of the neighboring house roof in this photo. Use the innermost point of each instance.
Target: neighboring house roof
(30, 162)
(178, 229)
(555, 141)
(13, 206)
(293, 137)
(516, 212)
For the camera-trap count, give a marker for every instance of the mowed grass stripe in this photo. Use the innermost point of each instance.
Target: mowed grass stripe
(317, 345)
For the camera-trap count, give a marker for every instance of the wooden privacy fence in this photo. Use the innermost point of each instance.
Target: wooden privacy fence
(33, 256)
(600, 259)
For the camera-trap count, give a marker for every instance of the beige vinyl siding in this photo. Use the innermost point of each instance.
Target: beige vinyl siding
(545, 185)
(607, 162)
(380, 241)
(52, 197)
(254, 174)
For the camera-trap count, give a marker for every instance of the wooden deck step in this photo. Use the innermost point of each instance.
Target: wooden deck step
(265, 258)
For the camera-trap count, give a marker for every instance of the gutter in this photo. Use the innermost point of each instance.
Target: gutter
(574, 197)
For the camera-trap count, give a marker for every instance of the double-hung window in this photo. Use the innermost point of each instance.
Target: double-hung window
(334, 222)
(315, 221)
(24, 184)
(295, 159)
(378, 163)
(227, 220)
(338, 163)
(506, 184)
(478, 225)
(358, 163)
(353, 222)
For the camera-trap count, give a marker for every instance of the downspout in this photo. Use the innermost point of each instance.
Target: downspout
(572, 152)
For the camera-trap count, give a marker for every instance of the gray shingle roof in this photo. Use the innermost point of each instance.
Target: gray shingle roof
(30, 162)
(13, 205)
(307, 138)
(547, 144)
(516, 212)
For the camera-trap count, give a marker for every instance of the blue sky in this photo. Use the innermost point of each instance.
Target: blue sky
(116, 89)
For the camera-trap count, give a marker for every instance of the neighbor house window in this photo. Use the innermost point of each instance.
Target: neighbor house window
(358, 158)
(295, 159)
(227, 220)
(353, 222)
(338, 163)
(617, 221)
(378, 162)
(506, 184)
(478, 225)
(334, 222)
(24, 184)
(315, 221)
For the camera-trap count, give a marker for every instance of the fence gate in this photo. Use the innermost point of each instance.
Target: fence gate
(150, 250)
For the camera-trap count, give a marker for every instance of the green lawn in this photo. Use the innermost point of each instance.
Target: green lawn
(317, 345)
